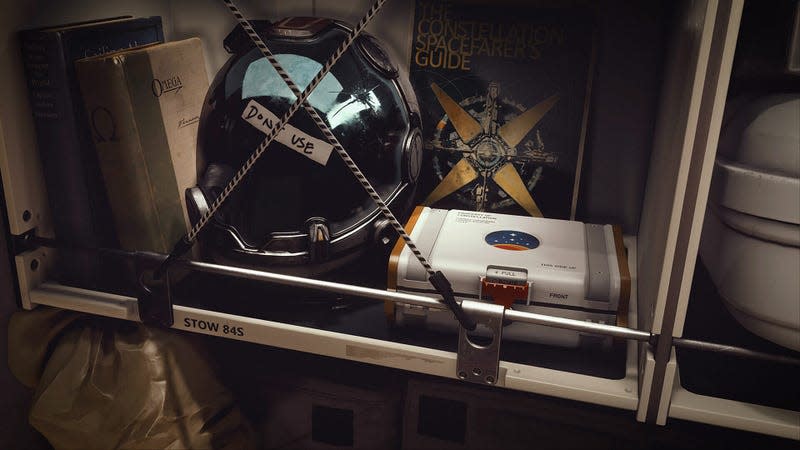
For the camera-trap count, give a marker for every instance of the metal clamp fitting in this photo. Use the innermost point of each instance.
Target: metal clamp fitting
(319, 239)
(478, 358)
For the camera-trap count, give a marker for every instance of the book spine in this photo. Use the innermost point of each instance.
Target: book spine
(118, 141)
(167, 125)
(48, 89)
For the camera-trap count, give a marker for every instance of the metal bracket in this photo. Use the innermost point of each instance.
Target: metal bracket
(24, 242)
(154, 298)
(478, 358)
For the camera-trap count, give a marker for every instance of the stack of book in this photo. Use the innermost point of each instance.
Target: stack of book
(116, 113)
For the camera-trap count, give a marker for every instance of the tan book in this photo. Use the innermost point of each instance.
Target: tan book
(144, 106)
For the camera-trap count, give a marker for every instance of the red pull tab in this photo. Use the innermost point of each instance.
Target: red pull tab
(502, 293)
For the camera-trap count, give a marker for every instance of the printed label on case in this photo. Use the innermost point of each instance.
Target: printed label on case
(475, 217)
(264, 120)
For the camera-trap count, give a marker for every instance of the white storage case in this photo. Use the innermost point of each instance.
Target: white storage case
(546, 266)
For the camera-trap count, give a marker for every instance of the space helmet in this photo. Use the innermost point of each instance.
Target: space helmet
(300, 210)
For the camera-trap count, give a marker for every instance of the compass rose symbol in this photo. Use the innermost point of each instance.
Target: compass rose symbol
(489, 149)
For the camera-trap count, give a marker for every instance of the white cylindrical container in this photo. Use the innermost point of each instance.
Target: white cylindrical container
(751, 235)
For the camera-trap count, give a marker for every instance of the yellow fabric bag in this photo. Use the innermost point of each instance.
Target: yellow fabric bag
(104, 383)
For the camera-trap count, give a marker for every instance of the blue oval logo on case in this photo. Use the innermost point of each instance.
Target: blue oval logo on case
(511, 240)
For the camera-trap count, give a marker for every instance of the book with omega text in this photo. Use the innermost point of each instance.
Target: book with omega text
(143, 106)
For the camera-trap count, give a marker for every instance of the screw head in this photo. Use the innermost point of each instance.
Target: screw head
(489, 379)
(462, 375)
